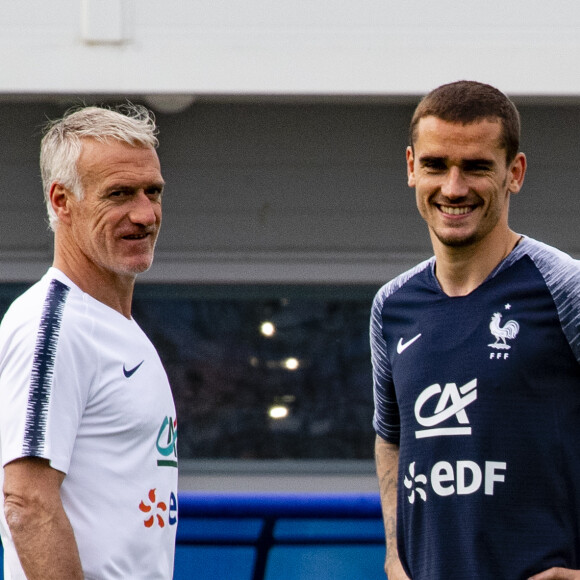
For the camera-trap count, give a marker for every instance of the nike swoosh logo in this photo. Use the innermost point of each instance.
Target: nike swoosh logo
(401, 346)
(130, 372)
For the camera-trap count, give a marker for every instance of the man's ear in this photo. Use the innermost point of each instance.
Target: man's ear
(517, 172)
(61, 199)
(410, 167)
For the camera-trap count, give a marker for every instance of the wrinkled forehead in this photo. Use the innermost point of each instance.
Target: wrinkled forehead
(116, 160)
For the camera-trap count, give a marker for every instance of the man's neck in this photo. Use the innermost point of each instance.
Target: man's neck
(460, 270)
(114, 291)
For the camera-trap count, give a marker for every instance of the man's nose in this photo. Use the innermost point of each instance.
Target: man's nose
(144, 210)
(455, 184)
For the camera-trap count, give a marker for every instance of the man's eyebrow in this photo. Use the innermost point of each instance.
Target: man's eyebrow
(430, 159)
(122, 186)
(466, 163)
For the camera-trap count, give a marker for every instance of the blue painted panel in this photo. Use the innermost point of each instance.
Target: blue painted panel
(279, 505)
(326, 563)
(208, 563)
(218, 529)
(329, 530)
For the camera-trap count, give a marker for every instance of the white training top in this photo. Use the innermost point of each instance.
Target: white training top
(82, 386)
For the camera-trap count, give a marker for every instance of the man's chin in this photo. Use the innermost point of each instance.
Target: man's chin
(457, 235)
(457, 242)
(135, 268)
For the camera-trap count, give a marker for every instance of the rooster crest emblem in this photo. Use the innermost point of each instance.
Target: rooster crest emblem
(502, 333)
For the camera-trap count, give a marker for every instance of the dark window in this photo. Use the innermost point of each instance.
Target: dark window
(299, 387)
(229, 376)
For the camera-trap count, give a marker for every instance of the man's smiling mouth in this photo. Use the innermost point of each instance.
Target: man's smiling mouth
(450, 210)
(137, 236)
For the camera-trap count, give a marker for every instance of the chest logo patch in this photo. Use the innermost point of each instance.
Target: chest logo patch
(449, 409)
(460, 478)
(166, 443)
(401, 346)
(130, 372)
(502, 332)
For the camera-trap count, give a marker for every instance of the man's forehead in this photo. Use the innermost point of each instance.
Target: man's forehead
(111, 145)
(95, 154)
(116, 164)
(486, 124)
(480, 138)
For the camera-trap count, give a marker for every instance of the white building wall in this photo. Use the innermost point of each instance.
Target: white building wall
(288, 47)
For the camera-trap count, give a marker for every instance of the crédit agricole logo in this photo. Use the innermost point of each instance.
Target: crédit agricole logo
(166, 443)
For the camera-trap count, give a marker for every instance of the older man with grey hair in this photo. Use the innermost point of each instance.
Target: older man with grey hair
(87, 419)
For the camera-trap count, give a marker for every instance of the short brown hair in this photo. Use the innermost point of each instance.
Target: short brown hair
(467, 102)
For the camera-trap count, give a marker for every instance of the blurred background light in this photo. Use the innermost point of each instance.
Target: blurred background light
(291, 363)
(267, 328)
(278, 412)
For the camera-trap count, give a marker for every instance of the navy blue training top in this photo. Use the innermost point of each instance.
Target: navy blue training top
(482, 393)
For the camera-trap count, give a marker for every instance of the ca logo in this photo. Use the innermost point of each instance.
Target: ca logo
(167, 443)
(452, 402)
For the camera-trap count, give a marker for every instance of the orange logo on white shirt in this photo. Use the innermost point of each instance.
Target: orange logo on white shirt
(159, 512)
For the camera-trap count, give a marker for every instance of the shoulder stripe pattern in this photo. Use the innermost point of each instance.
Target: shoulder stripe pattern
(386, 423)
(42, 369)
(561, 273)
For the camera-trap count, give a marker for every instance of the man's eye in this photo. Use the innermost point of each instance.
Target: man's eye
(477, 167)
(118, 194)
(433, 166)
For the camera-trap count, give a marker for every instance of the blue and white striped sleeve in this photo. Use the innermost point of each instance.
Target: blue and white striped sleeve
(386, 420)
(29, 342)
(561, 273)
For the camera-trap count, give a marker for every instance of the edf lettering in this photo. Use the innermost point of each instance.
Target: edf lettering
(467, 477)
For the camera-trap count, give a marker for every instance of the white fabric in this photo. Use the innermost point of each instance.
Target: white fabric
(113, 436)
